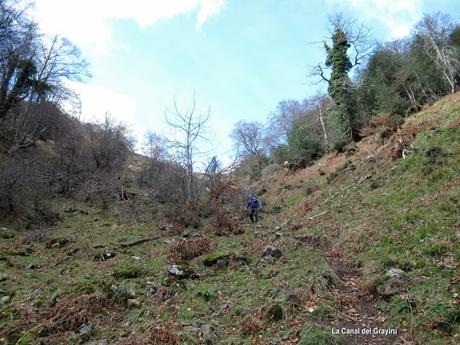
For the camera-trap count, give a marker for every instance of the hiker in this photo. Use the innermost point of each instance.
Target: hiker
(254, 205)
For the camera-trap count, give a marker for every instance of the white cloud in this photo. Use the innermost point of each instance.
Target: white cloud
(86, 22)
(398, 16)
(97, 100)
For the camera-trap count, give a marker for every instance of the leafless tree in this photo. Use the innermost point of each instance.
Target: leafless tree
(280, 122)
(434, 31)
(248, 138)
(188, 130)
(110, 143)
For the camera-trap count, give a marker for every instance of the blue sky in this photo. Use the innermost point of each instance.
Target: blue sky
(239, 57)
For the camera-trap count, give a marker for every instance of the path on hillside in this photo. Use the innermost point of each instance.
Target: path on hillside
(356, 306)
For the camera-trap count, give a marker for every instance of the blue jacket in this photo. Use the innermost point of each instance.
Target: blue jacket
(253, 202)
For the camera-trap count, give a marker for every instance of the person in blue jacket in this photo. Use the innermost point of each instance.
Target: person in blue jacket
(254, 206)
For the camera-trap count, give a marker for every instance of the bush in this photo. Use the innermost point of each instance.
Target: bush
(223, 223)
(269, 170)
(187, 215)
(189, 249)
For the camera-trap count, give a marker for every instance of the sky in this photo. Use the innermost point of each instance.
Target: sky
(238, 57)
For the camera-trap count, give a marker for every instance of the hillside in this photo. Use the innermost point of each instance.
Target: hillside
(361, 238)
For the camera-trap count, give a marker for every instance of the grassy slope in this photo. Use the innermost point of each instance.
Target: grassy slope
(405, 215)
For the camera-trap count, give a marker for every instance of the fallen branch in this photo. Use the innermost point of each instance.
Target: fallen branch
(136, 242)
(317, 215)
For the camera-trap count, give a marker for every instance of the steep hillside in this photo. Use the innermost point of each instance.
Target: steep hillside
(361, 240)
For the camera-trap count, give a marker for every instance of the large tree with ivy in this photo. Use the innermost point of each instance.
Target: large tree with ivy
(347, 48)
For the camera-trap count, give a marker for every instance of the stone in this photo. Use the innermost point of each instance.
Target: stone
(166, 227)
(58, 242)
(213, 258)
(85, 328)
(5, 300)
(98, 342)
(151, 291)
(37, 293)
(3, 277)
(176, 271)
(293, 298)
(275, 312)
(32, 266)
(104, 256)
(207, 334)
(182, 272)
(277, 228)
(273, 252)
(132, 303)
(395, 273)
(135, 257)
(394, 286)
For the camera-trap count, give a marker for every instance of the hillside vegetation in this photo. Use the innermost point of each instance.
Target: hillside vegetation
(364, 237)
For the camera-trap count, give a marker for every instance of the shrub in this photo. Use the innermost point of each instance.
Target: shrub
(223, 223)
(187, 215)
(189, 249)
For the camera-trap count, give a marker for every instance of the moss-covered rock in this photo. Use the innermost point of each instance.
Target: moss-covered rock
(213, 258)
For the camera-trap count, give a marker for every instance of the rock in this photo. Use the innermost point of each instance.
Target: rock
(267, 260)
(32, 266)
(278, 235)
(275, 312)
(273, 252)
(166, 227)
(207, 334)
(176, 271)
(213, 258)
(395, 273)
(65, 272)
(97, 342)
(182, 272)
(132, 303)
(37, 293)
(394, 286)
(277, 228)
(73, 251)
(3, 277)
(137, 258)
(58, 242)
(293, 298)
(5, 300)
(85, 328)
(104, 256)
(151, 291)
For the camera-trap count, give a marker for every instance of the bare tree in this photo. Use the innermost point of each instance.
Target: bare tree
(110, 143)
(434, 31)
(248, 138)
(280, 122)
(189, 127)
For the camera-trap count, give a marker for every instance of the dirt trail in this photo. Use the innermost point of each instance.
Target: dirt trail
(356, 306)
